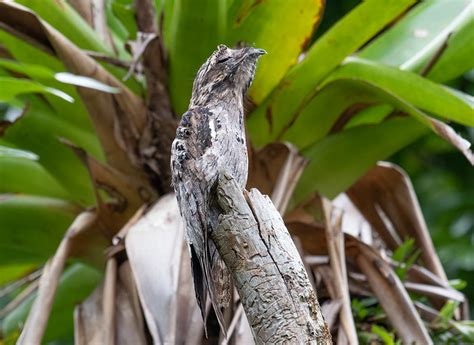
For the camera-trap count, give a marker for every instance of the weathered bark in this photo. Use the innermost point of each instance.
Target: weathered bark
(161, 126)
(275, 291)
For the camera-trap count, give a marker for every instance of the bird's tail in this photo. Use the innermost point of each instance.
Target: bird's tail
(216, 276)
(210, 275)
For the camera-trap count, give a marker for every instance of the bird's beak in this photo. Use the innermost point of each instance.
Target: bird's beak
(256, 52)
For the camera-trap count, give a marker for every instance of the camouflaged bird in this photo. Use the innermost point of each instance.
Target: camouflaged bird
(211, 137)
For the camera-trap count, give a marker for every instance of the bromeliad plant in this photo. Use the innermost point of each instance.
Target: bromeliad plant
(90, 91)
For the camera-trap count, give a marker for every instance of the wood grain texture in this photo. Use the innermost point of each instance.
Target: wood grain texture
(277, 296)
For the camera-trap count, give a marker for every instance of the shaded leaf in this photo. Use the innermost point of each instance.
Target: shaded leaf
(386, 193)
(28, 177)
(194, 31)
(89, 319)
(39, 131)
(30, 57)
(339, 160)
(31, 227)
(76, 283)
(392, 296)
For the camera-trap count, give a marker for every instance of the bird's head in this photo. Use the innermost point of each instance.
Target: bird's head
(226, 70)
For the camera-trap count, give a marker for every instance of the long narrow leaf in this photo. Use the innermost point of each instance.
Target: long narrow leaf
(416, 90)
(339, 160)
(336, 44)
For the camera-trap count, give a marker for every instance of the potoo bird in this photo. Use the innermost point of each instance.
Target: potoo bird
(209, 138)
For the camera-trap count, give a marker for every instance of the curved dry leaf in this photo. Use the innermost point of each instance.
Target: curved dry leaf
(126, 194)
(385, 196)
(447, 132)
(38, 316)
(336, 251)
(89, 320)
(161, 266)
(391, 295)
(264, 166)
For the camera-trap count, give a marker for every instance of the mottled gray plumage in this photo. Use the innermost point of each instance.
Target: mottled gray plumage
(211, 137)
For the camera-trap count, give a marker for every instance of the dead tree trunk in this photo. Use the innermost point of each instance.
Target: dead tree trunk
(277, 296)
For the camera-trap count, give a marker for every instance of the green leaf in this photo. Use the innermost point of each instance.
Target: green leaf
(39, 131)
(9, 273)
(79, 80)
(325, 109)
(8, 152)
(446, 313)
(18, 175)
(412, 40)
(64, 18)
(30, 70)
(365, 21)
(195, 30)
(261, 24)
(466, 328)
(402, 252)
(457, 284)
(387, 337)
(12, 87)
(75, 285)
(371, 115)
(337, 161)
(40, 72)
(31, 58)
(420, 92)
(457, 58)
(32, 227)
(126, 14)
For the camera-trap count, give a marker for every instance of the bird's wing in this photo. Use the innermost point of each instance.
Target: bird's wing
(195, 171)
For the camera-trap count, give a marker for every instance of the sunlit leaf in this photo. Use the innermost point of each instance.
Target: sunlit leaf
(8, 152)
(457, 58)
(387, 337)
(64, 18)
(12, 87)
(411, 41)
(79, 80)
(410, 87)
(324, 55)
(260, 23)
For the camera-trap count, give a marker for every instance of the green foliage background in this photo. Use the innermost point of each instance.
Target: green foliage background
(443, 179)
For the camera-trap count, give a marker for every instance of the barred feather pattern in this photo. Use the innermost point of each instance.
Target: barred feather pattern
(207, 141)
(211, 138)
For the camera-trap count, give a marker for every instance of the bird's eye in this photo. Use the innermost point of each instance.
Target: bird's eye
(224, 59)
